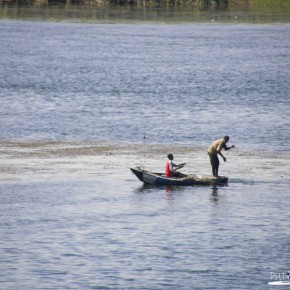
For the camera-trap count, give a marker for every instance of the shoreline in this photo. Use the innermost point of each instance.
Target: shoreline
(199, 4)
(157, 12)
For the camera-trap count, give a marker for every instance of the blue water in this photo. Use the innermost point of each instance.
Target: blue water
(101, 235)
(184, 83)
(77, 219)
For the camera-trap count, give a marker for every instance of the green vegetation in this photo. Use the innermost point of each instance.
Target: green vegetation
(195, 3)
(231, 11)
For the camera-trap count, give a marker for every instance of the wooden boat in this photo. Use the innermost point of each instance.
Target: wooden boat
(160, 179)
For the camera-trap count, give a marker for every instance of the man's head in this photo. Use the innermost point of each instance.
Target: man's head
(226, 138)
(170, 156)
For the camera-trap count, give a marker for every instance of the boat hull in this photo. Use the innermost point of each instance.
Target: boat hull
(159, 179)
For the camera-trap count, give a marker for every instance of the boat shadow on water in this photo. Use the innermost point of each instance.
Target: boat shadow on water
(144, 188)
(149, 187)
(170, 192)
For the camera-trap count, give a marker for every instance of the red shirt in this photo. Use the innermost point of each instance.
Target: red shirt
(167, 169)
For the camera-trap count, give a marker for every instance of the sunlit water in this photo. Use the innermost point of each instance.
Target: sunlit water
(81, 103)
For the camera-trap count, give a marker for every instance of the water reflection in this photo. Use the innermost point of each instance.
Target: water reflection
(146, 188)
(167, 189)
(214, 190)
(214, 195)
(169, 193)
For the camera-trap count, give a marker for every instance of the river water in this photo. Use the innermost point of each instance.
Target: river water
(81, 103)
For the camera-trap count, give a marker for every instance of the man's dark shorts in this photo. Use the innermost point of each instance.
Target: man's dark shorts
(214, 161)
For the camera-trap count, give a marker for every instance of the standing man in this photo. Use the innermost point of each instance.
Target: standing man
(170, 167)
(213, 152)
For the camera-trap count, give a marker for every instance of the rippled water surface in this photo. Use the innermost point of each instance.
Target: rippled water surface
(81, 103)
(169, 83)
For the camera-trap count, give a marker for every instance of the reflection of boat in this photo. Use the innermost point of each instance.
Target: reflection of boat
(160, 179)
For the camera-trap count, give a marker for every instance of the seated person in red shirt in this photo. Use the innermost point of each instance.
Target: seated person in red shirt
(170, 167)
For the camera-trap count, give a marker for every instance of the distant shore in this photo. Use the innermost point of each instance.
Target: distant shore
(114, 11)
(201, 4)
